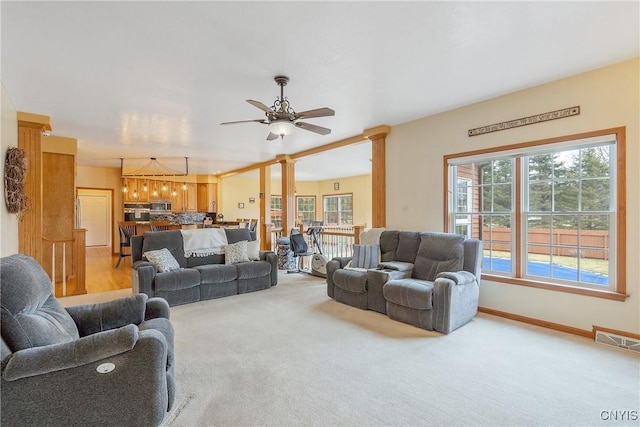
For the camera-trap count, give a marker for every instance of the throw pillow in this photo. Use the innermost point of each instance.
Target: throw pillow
(365, 256)
(162, 260)
(236, 252)
(253, 250)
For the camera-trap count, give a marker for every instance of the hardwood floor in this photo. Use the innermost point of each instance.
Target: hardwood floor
(101, 276)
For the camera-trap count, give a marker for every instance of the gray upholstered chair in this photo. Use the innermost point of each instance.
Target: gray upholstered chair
(94, 365)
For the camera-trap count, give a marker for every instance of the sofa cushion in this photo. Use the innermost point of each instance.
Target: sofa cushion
(438, 252)
(253, 250)
(252, 269)
(195, 261)
(389, 245)
(234, 235)
(31, 315)
(171, 239)
(351, 280)
(177, 279)
(412, 293)
(408, 244)
(236, 252)
(162, 260)
(217, 273)
(365, 256)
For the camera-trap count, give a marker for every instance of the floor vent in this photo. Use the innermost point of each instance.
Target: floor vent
(618, 341)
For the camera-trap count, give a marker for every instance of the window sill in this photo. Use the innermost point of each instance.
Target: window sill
(606, 294)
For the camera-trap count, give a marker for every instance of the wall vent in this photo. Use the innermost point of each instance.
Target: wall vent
(618, 341)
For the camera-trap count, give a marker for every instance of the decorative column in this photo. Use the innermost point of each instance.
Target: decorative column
(377, 136)
(288, 190)
(30, 128)
(265, 207)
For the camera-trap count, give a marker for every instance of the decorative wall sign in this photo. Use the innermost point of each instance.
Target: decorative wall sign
(15, 173)
(544, 117)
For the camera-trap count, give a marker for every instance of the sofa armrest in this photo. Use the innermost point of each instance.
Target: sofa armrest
(157, 308)
(458, 277)
(92, 318)
(143, 274)
(56, 357)
(272, 258)
(454, 304)
(139, 382)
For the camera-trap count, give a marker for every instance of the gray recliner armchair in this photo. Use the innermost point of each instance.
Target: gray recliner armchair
(100, 364)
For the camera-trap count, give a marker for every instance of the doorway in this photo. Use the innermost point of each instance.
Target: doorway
(94, 214)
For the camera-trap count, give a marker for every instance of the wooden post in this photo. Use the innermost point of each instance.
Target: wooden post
(265, 208)
(288, 193)
(377, 136)
(30, 128)
(79, 261)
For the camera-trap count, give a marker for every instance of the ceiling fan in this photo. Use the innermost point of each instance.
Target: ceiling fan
(282, 119)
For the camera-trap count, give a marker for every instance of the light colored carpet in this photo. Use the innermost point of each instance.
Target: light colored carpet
(290, 356)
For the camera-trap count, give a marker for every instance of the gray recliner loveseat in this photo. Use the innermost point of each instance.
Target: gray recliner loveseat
(199, 277)
(430, 280)
(102, 364)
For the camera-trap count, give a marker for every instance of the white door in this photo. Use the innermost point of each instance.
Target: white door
(94, 216)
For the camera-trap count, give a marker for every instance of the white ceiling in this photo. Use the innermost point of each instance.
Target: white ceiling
(156, 79)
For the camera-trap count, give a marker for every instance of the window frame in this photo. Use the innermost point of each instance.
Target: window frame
(336, 196)
(518, 229)
(313, 212)
(275, 212)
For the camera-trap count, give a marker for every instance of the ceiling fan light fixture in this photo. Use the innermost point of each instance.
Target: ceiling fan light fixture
(281, 127)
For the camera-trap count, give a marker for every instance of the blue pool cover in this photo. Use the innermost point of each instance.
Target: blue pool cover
(541, 269)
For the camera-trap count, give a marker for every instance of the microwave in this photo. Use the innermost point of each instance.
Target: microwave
(161, 206)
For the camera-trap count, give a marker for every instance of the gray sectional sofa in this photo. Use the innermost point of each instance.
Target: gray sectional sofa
(199, 278)
(429, 280)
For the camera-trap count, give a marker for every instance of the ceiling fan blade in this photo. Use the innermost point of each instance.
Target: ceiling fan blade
(245, 121)
(318, 112)
(272, 136)
(313, 128)
(261, 106)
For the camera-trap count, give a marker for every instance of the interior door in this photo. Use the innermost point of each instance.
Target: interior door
(94, 217)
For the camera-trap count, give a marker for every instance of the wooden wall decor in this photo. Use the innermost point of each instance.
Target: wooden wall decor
(15, 173)
(538, 118)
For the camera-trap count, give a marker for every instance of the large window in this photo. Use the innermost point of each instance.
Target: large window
(338, 209)
(306, 209)
(550, 213)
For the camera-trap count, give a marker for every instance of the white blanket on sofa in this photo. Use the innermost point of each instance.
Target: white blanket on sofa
(201, 242)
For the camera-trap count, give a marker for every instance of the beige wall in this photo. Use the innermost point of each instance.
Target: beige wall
(238, 189)
(9, 137)
(608, 97)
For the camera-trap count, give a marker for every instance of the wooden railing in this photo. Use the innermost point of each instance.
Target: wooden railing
(64, 262)
(335, 241)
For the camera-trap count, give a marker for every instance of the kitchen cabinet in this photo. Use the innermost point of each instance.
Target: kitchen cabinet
(206, 197)
(130, 184)
(186, 198)
(191, 199)
(143, 190)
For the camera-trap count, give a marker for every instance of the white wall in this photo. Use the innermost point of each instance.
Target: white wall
(9, 138)
(608, 97)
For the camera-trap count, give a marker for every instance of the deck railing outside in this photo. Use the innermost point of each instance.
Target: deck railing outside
(335, 240)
